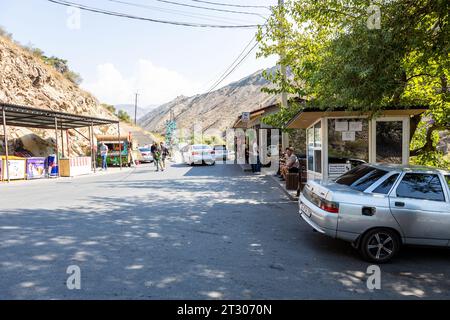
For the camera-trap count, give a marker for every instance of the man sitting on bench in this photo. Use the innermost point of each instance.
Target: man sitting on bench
(291, 165)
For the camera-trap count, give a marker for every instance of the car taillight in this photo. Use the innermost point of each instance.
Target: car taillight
(324, 204)
(195, 153)
(329, 206)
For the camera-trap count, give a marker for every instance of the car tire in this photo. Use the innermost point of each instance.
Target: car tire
(379, 245)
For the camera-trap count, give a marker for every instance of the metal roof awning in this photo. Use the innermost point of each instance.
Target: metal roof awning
(304, 119)
(28, 117)
(21, 116)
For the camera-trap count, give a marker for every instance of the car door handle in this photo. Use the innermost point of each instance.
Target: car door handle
(399, 204)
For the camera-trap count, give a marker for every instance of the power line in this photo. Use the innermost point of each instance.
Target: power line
(227, 73)
(178, 12)
(209, 8)
(128, 16)
(231, 65)
(231, 5)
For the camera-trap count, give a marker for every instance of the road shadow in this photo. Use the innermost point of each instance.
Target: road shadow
(198, 236)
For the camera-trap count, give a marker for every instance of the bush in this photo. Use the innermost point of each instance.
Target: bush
(123, 116)
(73, 77)
(4, 33)
(109, 107)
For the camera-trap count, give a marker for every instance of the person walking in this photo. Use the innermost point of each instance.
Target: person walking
(104, 155)
(157, 157)
(152, 151)
(164, 154)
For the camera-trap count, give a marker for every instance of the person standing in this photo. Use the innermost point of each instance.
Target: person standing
(104, 155)
(254, 158)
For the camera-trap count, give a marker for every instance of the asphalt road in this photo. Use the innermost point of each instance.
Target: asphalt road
(186, 233)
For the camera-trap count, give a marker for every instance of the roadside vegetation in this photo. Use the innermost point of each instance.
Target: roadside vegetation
(122, 115)
(366, 58)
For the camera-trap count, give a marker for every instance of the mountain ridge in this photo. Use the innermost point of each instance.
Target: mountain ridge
(217, 109)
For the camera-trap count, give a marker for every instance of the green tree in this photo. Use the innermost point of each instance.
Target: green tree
(109, 107)
(123, 116)
(336, 60)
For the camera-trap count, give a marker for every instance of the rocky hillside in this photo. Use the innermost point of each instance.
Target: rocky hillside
(26, 80)
(217, 110)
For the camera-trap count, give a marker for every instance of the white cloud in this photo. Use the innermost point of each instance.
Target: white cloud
(156, 85)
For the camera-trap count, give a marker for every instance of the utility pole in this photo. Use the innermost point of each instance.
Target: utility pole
(284, 100)
(135, 108)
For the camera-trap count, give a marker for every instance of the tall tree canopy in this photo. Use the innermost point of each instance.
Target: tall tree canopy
(366, 55)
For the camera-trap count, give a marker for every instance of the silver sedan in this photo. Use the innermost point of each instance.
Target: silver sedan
(378, 208)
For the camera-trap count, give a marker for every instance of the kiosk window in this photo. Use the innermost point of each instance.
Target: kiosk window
(349, 141)
(314, 148)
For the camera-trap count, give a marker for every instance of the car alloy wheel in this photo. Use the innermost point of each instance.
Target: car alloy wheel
(380, 245)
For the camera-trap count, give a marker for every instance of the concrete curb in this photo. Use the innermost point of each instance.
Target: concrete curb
(246, 167)
(290, 194)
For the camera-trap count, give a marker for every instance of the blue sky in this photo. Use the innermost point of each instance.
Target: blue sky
(117, 56)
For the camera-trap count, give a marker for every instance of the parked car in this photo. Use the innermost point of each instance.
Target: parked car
(379, 208)
(146, 154)
(198, 154)
(222, 153)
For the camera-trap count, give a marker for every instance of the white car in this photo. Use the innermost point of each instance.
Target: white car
(198, 154)
(221, 152)
(146, 154)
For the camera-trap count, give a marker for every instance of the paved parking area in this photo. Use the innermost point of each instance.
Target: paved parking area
(186, 233)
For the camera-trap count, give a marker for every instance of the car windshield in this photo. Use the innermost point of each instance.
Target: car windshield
(201, 147)
(447, 178)
(144, 149)
(361, 177)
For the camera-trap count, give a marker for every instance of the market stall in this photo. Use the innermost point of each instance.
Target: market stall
(75, 166)
(122, 146)
(61, 123)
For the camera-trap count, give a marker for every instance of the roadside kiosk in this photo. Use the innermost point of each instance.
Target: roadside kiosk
(338, 140)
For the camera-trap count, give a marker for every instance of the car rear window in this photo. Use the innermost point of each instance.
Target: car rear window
(201, 147)
(144, 150)
(386, 185)
(421, 186)
(361, 177)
